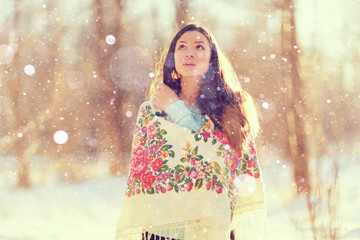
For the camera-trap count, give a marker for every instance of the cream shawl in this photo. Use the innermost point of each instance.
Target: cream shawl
(190, 185)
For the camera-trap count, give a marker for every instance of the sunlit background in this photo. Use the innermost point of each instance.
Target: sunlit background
(73, 74)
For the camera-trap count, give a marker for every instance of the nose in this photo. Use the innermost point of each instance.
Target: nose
(189, 54)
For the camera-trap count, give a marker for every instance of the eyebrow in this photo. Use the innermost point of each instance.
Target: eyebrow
(194, 42)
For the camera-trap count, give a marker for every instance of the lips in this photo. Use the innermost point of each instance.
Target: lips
(189, 64)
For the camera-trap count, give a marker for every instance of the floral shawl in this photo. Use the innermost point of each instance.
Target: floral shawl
(190, 185)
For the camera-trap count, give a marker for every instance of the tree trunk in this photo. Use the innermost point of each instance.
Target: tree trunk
(181, 13)
(296, 101)
(20, 109)
(108, 98)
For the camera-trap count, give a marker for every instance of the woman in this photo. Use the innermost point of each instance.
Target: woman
(193, 169)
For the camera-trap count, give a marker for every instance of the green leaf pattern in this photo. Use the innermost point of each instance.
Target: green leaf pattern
(193, 171)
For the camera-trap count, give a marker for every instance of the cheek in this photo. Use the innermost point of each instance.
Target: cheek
(205, 68)
(205, 60)
(205, 57)
(178, 59)
(177, 64)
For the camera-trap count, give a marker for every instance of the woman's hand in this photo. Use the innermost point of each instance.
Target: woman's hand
(164, 97)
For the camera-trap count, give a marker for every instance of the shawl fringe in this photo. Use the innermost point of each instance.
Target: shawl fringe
(196, 229)
(250, 225)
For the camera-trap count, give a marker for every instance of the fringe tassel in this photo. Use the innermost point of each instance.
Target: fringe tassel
(198, 229)
(250, 225)
(169, 231)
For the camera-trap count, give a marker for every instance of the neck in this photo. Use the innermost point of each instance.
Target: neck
(190, 88)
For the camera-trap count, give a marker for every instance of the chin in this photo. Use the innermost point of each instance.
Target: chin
(196, 76)
(192, 73)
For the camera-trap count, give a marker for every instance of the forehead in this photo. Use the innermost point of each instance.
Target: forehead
(193, 36)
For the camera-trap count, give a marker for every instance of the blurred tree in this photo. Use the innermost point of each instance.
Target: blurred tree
(306, 135)
(23, 148)
(296, 101)
(32, 107)
(181, 12)
(107, 97)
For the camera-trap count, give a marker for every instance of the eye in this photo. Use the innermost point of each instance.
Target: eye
(200, 47)
(181, 46)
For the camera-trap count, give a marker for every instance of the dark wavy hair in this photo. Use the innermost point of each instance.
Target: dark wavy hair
(220, 97)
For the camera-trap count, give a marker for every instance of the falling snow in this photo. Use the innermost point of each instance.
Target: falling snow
(98, 203)
(61, 137)
(129, 114)
(29, 69)
(110, 39)
(66, 86)
(265, 105)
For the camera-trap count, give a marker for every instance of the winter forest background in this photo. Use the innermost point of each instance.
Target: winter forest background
(73, 74)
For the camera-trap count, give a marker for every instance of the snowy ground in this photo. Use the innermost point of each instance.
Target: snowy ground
(90, 209)
(87, 210)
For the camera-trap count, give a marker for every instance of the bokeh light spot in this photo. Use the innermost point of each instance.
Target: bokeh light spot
(110, 39)
(61, 137)
(29, 70)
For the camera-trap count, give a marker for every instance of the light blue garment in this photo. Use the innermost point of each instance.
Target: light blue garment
(189, 117)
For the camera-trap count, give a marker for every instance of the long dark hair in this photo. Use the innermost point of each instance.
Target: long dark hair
(220, 97)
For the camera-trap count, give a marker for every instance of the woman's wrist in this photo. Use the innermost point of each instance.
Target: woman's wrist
(170, 102)
(164, 97)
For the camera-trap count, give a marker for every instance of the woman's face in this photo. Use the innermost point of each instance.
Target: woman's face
(192, 54)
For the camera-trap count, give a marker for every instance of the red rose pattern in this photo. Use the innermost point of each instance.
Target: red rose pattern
(149, 170)
(147, 179)
(139, 161)
(232, 162)
(157, 164)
